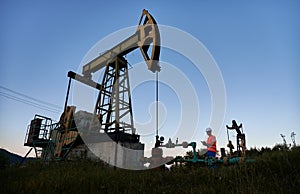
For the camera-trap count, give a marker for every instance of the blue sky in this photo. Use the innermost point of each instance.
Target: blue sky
(255, 44)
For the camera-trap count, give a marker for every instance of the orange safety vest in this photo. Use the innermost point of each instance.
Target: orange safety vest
(212, 148)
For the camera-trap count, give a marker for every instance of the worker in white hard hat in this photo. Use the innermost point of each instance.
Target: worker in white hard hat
(211, 143)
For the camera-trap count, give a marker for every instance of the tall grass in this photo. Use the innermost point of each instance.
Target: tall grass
(273, 172)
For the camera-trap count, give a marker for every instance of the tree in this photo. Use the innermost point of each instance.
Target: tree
(4, 160)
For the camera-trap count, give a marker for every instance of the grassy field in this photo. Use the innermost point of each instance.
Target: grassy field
(273, 172)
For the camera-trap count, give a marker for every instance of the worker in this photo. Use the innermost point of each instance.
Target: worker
(211, 143)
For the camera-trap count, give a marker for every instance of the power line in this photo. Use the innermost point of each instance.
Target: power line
(29, 102)
(31, 98)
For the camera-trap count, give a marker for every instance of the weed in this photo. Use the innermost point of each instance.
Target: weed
(274, 171)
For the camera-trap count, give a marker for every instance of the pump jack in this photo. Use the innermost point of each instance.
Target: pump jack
(240, 139)
(56, 140)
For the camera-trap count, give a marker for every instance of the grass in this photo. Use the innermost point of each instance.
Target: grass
(273, 172)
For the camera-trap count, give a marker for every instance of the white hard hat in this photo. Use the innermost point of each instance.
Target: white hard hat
(208, 129)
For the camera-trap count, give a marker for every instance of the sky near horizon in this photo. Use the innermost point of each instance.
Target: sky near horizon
(255, 45)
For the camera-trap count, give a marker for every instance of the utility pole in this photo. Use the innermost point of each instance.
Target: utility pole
(284, 141)
(293, 134)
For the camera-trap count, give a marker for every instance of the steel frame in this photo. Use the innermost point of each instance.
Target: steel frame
(113, 107)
